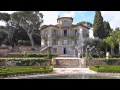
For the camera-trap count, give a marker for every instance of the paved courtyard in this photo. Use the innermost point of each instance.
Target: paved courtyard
(57, 73)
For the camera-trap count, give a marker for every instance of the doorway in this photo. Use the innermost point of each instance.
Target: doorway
(64, 51)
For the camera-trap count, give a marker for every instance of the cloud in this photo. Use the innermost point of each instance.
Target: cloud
(50, 17)
(113, 17)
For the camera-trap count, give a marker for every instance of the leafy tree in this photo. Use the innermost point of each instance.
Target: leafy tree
(98, 26)
(4, 17)
(107, 28)
(88, 24)
(117, 29)
(29, 20)
(116, 34)
(11, 26)
(3, 35)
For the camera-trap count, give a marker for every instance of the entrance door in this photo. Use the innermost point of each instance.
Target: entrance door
(64, 51)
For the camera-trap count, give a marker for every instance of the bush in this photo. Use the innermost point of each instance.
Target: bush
(15, 55)
(49, 55)
(22, 59)
(88, 56)
(106, 69)
(25, 43)
(37, 55)
(115, 56)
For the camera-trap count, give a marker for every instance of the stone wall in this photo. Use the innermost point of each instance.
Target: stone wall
(25, 63)
(102, 62)
(67, 63)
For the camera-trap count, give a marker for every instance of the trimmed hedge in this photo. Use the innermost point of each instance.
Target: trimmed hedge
(106, 69)
(36, 55)
(25, 43)
(23, 59)
(15, 70)
(15, 55)
(115, 56)
(25, 54)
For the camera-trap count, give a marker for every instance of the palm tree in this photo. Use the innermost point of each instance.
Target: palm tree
(111, 40)
(117, 34)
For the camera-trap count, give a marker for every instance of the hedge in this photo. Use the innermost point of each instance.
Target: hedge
(15, 70)
(25, 54)
(106, 69)
(36, 55)
(25, 43)
(23, 59)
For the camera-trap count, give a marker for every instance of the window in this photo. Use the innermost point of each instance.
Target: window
(75, 41)
(46, 33)
(65, 42)
(65, 51)
(76, 32)
(66, 23)
(65, 32)
(54, 33)
(85, 33)
(55, 42)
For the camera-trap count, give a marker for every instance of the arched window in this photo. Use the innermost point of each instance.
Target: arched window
(46, 33)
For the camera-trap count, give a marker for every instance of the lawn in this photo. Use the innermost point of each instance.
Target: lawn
(106, 69)
(15, 70)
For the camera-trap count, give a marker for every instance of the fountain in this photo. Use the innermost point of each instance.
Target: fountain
(80, 44)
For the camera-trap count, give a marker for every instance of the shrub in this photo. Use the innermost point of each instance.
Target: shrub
(88, 56)
(32, 49)
(25, 43)
(115, 56)
(36, 55)
(22, 59)
(49, 55)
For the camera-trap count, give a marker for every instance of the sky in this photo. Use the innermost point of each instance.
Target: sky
(50, 17)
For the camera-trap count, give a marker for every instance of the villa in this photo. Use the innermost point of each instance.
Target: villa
(61, 39)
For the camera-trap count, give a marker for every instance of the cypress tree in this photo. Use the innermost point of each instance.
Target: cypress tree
(107, 28)
(98, 26)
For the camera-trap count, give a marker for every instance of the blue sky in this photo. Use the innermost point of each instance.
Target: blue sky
(80, 16)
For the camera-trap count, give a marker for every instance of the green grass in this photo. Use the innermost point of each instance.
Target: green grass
(15, 70)
(106, 69)
(24, 59)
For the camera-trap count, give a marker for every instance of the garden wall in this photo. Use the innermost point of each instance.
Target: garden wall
(25, 63)
(102, 62)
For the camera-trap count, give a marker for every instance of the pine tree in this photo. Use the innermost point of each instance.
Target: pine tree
(98, 26)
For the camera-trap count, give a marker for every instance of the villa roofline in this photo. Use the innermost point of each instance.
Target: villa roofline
(59, 27)
(64, 17)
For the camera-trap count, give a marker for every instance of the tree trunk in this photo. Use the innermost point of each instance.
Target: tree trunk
(31, 40)
(112, 51)
(106, 48)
